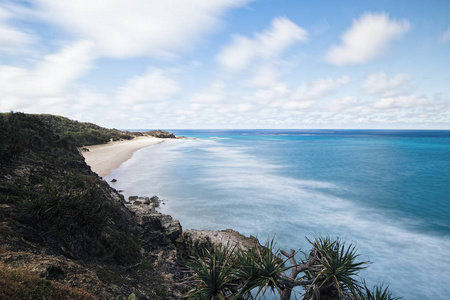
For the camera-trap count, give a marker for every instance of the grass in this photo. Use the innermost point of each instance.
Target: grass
(25, 285)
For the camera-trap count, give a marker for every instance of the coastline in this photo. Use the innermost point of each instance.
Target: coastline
(105, 158)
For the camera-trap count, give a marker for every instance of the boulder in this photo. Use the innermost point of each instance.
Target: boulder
(155, 201)
(132, 198)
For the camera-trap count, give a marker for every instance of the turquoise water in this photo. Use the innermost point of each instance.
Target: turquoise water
(386, 191)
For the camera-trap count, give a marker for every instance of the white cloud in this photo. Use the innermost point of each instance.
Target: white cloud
(366, 40)
(12, 40)
(380, 84)
(266, 45)
(88, 100)
(296, 105)
(445, 36)
(320, 88)
(343, 103)
(214, 94)
(408, 101)
(127, 28)
(48, 81)
(272, 95)
(154, 85)
(279, 95)
(264, 76)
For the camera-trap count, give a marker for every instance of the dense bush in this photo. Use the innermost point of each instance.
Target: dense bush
(82, 133)
(61, 201)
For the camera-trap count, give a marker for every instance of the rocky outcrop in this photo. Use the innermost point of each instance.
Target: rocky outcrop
(161, 134)
(157, 228)
(162, 230)
(136, 200)
(192, 240)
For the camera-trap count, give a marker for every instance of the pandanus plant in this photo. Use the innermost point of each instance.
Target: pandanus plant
(330, 271)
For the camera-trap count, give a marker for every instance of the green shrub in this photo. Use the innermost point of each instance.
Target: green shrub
(57, 208)
(120, 247)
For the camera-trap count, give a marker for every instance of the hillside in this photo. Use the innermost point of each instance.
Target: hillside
(63, 230)
(85, 134)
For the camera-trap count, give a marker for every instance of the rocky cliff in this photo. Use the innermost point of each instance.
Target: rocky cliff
(65, 233)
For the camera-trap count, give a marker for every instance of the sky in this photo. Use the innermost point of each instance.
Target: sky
(224, 64)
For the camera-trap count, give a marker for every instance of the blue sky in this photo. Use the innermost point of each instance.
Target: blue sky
(229, 63)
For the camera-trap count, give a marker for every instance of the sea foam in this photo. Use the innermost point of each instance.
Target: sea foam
(212, 185)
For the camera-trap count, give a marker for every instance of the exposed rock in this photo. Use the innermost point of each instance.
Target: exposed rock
(155, 201)
(114, 180)
(132, 198)
(151, 221)
(192, 240)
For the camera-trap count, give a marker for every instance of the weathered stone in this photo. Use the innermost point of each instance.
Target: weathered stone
(137, 202)
(155, 201)
(132, 198)
(114, 180)
(152, 221)
(191, 240)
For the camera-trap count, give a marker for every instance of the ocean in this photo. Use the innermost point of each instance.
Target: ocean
(386, 191)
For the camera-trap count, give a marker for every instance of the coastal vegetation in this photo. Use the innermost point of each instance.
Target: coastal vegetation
(329, 271)
(66, 234)
(56, 213)
(56, 193)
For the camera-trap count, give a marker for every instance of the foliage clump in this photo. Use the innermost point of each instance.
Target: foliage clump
(58, 197)
(82, 133)
(329, 271)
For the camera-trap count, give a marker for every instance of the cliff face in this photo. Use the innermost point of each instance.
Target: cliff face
(64, 232)
(59, 220)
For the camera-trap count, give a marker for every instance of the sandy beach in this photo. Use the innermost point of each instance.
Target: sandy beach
(105, 158)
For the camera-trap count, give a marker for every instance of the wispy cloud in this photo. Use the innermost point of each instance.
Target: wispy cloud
(153, 85)
(366, 40)
(380, 84)
(128, 28)
(445, 36)
(12, 39)
(266, 45)
(48, 81)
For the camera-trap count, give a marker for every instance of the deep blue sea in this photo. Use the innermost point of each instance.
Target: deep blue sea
(386, 191)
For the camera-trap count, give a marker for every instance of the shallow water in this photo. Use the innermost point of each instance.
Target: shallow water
(386, 191)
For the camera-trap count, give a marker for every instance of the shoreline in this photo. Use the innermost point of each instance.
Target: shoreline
(105, 158)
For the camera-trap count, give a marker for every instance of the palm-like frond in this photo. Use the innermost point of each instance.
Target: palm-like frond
(213, 272)
(335, 269)
(377, 293)
(261, 268)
